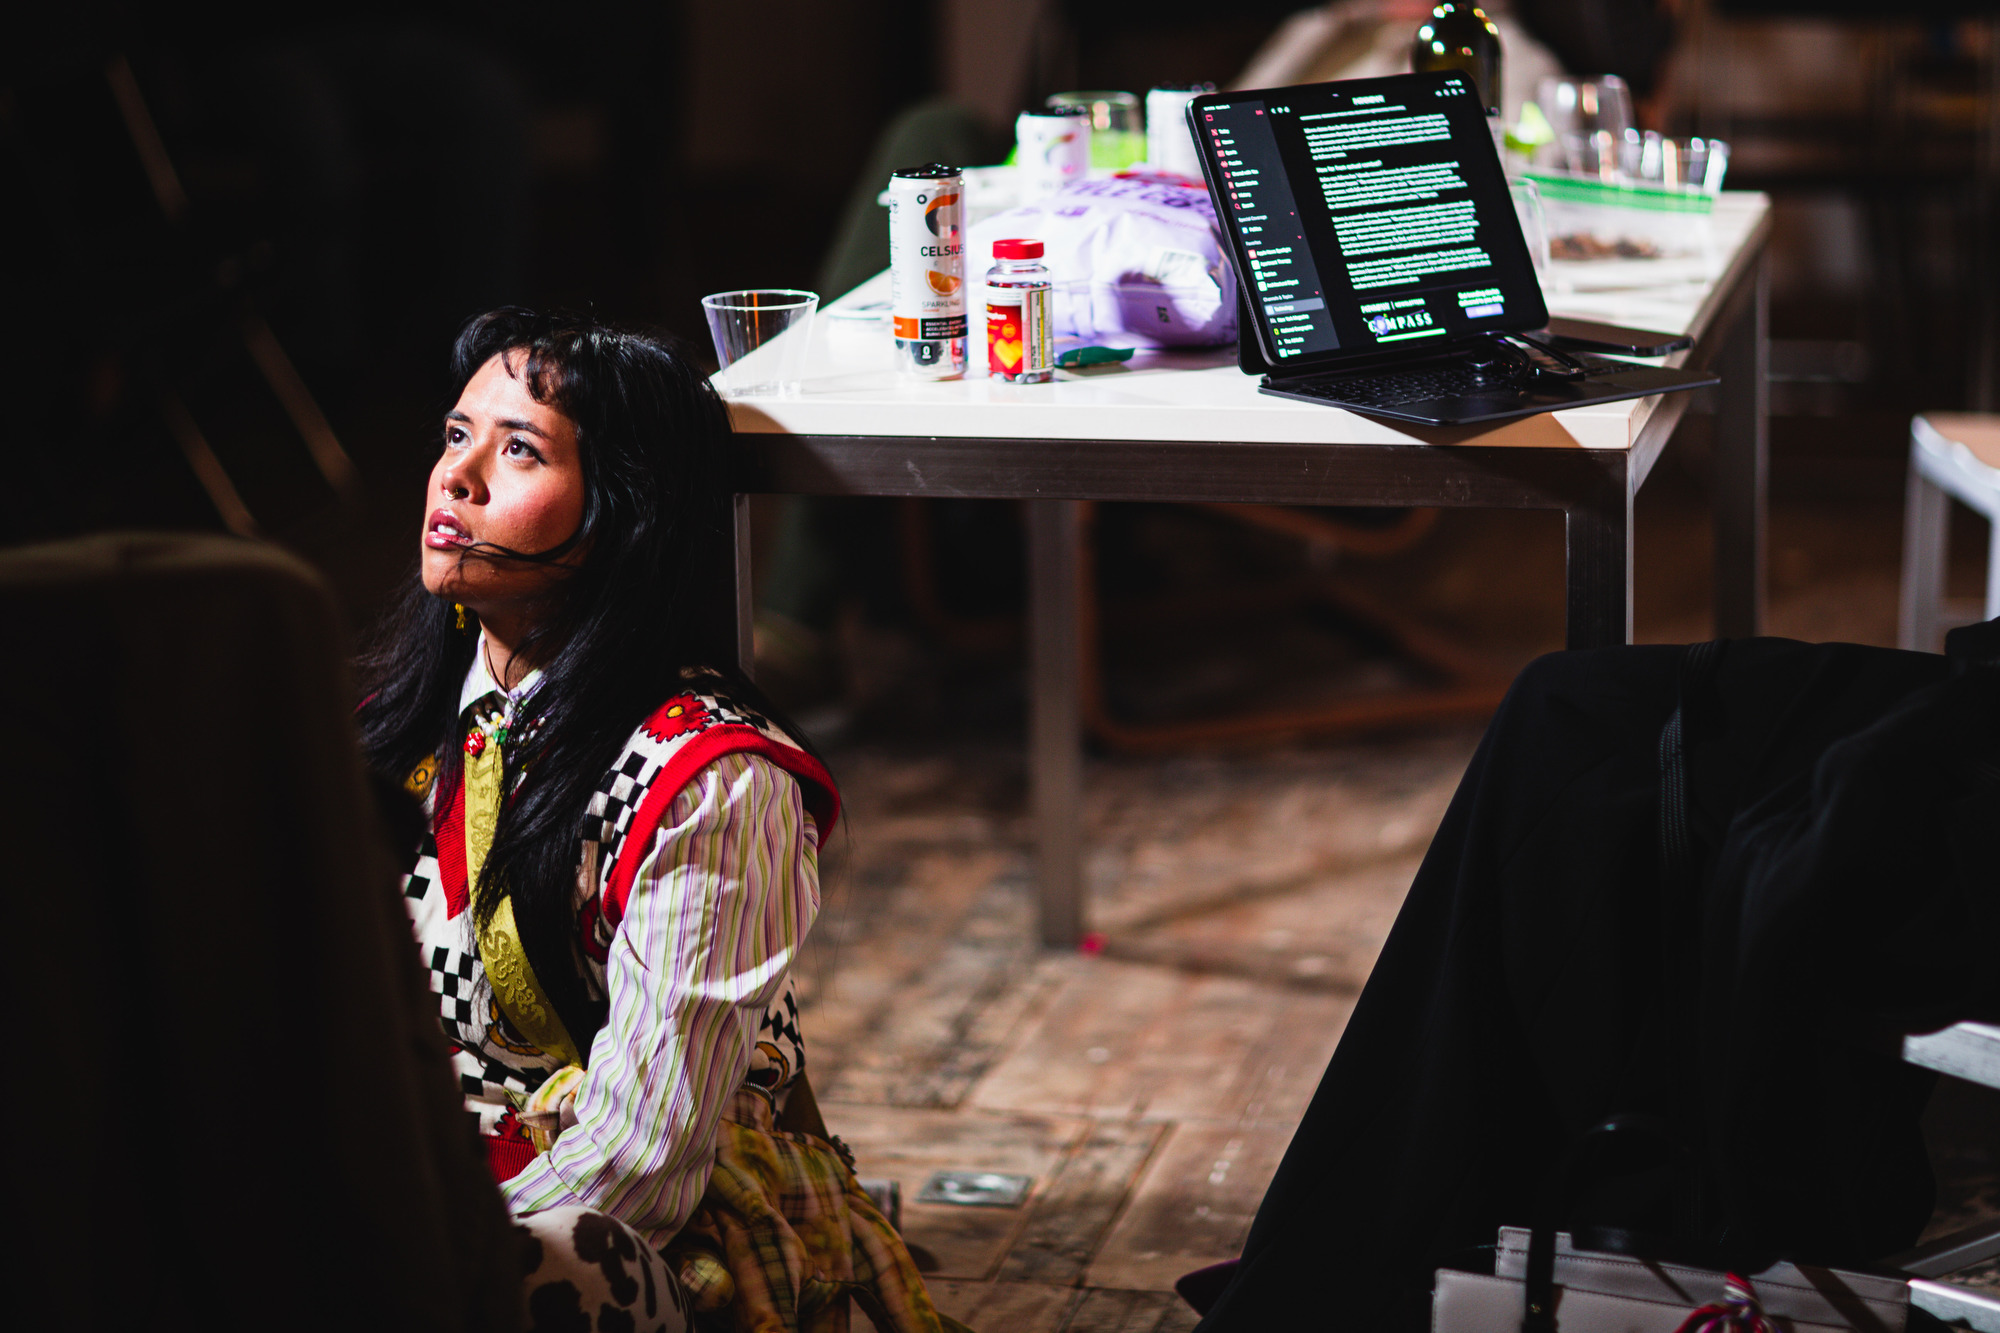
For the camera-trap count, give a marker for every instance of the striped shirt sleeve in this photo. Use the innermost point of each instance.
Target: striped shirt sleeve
(716, 917)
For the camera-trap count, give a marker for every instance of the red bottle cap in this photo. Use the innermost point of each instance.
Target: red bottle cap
(1017, 249)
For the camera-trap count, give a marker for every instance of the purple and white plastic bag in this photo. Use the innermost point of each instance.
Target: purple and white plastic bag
(1135, 261)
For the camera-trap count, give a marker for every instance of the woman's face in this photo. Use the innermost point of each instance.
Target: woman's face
(510, 474)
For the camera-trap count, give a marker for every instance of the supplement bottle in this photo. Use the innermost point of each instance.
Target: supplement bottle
(1020, 345)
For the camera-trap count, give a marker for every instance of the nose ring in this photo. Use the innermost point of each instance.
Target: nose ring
(456, 492)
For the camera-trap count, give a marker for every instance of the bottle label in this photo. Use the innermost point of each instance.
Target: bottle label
(1004, 339)
(1017, 335)
(951, 326)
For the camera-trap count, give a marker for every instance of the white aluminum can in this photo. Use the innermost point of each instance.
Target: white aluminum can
(927, 270)
(1169, 143)
(1051, 149)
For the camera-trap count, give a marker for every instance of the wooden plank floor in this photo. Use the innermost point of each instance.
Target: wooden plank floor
(1149, 1089)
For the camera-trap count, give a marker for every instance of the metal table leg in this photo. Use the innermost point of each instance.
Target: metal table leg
(1055, 747)
(1742, 462)
(744, 604)
(720, 615)
(1597, 548)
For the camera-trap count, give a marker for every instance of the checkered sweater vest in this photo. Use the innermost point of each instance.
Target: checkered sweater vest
(497, 1067)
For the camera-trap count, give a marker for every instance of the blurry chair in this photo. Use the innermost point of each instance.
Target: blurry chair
(1952, 456)
(231, 1091)
(1459, 684)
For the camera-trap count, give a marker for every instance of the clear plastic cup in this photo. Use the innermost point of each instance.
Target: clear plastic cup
(1534, 224)
(1652, 158)
(1590, 118)
(760, 339)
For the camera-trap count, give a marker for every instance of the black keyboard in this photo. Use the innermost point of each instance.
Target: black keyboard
(1419, 383)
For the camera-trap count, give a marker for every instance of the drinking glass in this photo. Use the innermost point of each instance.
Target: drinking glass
(1117, 131)
(1534, 223)
(1712, 164)
(1591, 118)
(1687, 164)
(760, 339)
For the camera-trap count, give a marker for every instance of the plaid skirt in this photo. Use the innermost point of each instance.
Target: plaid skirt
(785, 1235)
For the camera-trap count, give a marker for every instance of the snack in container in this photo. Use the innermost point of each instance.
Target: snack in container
(1593, 219)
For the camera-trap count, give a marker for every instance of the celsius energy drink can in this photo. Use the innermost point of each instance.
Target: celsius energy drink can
(1020, 347)
(927, 269)
(1051, 149)
(1169, 144)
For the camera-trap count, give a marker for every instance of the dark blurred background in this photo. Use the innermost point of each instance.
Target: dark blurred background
(238, 240)
(239, 244)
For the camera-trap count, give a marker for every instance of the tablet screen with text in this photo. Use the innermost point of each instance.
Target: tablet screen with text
(1367, 215)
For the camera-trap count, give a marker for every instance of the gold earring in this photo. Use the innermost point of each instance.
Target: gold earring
(461, 615)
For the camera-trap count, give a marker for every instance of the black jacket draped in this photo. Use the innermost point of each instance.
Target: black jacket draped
(1843, 887)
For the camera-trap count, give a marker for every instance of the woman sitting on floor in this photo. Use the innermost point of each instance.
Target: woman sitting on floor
(621, 864)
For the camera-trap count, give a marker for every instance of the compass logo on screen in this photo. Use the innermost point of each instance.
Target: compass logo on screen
(1379, 325)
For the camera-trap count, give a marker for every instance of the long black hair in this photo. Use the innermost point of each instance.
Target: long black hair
(654, 441)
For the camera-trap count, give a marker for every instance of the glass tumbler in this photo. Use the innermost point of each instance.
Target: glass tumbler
(760, 339)
(1681, 164)
(1590, 118)
(1534, 224)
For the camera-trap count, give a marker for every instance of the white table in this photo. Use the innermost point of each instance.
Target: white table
(1189, 426)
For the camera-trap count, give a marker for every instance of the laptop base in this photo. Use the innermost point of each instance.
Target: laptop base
(1462, 390)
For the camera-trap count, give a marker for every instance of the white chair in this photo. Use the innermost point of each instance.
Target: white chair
(1970, 1051)
(1952, 456)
